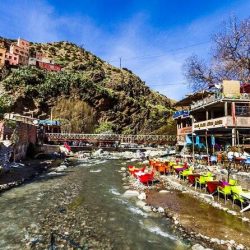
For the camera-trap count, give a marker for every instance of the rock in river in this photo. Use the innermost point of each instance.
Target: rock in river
(131, 193)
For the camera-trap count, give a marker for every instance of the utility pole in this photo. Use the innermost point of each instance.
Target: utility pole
(120, 62)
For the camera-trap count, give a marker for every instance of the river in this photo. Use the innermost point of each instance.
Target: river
(90, 193)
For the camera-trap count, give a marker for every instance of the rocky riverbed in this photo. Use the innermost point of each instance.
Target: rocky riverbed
(82, 204)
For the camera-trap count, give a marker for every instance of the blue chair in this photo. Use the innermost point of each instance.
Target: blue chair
(246, 164)
(213, 159)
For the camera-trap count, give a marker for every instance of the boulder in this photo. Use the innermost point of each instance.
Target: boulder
(147, 209)
(131, 193)
(142, 196)
(161, 210)
(163, 191)
(140, 204)
(197, 247)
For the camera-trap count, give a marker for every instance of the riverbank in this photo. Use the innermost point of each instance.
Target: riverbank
(201, 218)
(20, 173)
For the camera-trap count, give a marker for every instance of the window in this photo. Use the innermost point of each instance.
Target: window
(15, 58)
(1, 54)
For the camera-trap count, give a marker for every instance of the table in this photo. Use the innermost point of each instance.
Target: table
(212, 186)
(246, 195)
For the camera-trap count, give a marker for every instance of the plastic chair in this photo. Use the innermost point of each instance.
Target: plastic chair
(236, 191)
(186, 172)
(146, 178)
(226, 190)
(233, 182)
(201, 181)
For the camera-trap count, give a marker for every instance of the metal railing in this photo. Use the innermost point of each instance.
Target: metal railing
(110, 137)
(218, 97)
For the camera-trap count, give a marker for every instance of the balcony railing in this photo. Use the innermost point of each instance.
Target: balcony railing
(218, 97)
(223, 122)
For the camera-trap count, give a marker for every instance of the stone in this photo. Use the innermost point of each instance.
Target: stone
(245, 219)
(140, 203)
(163, 191)
(161, 210)
(123, 169)
(131, 193)
(240, 247)
(197, 247)
(208, 197)
(147, 209)
(142, 196)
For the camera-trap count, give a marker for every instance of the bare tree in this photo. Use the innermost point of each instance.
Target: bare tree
(230, 57)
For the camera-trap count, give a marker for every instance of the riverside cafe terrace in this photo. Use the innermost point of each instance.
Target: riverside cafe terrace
(223, 116)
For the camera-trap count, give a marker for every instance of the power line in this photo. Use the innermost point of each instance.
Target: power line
(161, 55)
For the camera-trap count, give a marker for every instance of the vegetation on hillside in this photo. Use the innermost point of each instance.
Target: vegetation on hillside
(89, 95)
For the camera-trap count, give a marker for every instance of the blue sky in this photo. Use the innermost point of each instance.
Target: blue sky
(152, 37)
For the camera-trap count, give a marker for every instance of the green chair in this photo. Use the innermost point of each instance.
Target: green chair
(200, 181)
(226, 190)
(233, 182)
(186, 173)
(236, 191)
(208, 174)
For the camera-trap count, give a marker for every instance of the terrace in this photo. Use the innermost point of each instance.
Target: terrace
(219, 97)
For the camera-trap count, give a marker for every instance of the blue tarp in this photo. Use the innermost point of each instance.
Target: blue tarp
(188, 140)
(49, 122)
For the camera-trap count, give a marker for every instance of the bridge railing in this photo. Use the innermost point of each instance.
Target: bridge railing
(110, 137)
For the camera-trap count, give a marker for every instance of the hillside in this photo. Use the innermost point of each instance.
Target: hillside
(88, 95)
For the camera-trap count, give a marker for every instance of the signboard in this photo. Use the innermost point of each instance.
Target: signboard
(215, 123)
(186, 130)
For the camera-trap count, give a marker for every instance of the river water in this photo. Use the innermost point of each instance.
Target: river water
(100, 190)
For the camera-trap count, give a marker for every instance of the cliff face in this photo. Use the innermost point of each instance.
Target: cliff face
(88, 95)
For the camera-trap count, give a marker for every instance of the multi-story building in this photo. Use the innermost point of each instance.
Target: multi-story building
(219, 118)
(183, 116)
(20, 50)
(2, 56)
(11, 59)
(225, 115)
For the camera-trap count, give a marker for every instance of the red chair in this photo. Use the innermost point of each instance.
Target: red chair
(146, 178)
(136, 170)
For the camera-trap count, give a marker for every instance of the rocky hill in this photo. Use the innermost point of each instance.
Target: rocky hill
(88, 95)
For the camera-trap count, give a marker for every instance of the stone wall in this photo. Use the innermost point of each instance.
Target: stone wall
(22, 133)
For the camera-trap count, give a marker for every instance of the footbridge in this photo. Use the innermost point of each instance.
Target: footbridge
(112, 138)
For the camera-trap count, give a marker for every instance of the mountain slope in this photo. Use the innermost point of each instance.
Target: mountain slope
(88, 95)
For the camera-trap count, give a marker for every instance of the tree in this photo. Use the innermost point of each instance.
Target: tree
(230, 57)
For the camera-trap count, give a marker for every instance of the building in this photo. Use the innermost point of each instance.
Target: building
(20, 50)
(48, 66)
(183, 116)
(218, 118)
(11, 59)
(42, 62)
(2, 56)
(23, 128)
(224, 115)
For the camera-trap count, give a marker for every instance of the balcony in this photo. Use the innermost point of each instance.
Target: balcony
(219, 97)
(184, 131)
